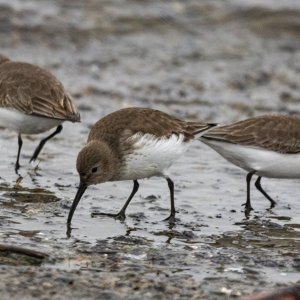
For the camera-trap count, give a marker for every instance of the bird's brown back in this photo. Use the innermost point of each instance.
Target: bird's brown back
(124, 123)
(278, 133)
(33, 90)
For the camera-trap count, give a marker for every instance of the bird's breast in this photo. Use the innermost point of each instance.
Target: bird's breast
(24, 123)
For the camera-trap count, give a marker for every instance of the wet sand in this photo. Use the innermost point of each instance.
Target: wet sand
(218, 61)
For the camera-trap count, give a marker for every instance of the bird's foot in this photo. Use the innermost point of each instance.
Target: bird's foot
(171, 219)
(248, 207)
(273, 204)
(33, 157)
(34, 163)
(17, 167)
(36, 168)
(18, 181)
(119, 216)
(69, 231)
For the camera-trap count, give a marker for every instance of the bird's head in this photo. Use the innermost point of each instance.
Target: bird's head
(96, 163)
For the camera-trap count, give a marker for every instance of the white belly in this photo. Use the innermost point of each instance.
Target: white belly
(266, 163)
(27, 124)
(152, 156)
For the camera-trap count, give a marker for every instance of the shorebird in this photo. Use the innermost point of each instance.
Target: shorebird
(131, 144)
(267, 146)
(32, 101)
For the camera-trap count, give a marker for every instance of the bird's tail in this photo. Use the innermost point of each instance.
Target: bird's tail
(196, 128)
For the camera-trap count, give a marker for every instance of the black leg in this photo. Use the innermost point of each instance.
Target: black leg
(171, 218)
(43, 142)
(20, 143)
(259, 187)
(248, 202)
(121, 214)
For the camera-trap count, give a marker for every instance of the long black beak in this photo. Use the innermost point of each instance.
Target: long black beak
(80, 192)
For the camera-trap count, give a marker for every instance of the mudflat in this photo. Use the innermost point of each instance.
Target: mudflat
(217, 61)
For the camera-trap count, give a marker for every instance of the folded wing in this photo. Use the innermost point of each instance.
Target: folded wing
(35, 91)
(273, 132)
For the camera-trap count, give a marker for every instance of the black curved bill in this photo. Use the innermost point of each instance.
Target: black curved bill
(80, 192)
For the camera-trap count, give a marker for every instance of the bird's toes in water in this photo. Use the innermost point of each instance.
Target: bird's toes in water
(36, 168)
(248, 206)
(18, 181)
(171, 219)
(32, 160)
(270, 209)
(273, 204)
(69, 231)
(247, 211)
(17, 167)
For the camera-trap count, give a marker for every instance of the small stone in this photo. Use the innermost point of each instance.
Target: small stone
(47, 285)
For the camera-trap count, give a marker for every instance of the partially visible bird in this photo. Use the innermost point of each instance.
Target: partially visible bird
(32, 101)
(266, 146)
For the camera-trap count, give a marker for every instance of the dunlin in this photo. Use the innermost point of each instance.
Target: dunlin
(32, 101)
(267, 146)
(131, 144)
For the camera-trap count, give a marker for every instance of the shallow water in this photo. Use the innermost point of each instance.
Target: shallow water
(212, 60)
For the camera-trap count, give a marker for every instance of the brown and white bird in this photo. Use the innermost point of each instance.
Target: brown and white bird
(32, 101)
(267, 146)
(131, 144)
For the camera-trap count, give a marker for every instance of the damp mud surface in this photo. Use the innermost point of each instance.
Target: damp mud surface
(218, 61)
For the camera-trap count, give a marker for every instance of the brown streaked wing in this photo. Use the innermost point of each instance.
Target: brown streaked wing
(33, 90)
(128, 121)
(278, 133)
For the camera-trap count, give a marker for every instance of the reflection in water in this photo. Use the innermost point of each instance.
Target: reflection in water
(28, 195)
(261, 234)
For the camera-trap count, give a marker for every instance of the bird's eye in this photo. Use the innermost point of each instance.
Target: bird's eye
(95, 169)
